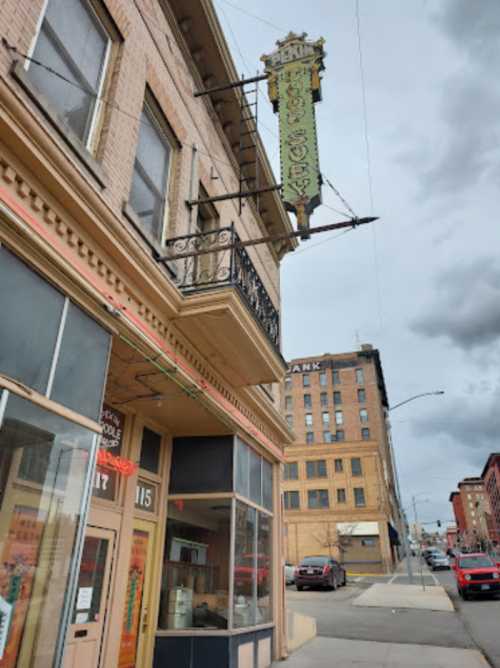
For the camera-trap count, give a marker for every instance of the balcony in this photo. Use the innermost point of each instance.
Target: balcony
(228, 313)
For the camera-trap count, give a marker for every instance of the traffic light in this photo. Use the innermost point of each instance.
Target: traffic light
(439, 523)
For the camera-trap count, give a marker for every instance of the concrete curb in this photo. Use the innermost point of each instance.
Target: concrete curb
(405, 596)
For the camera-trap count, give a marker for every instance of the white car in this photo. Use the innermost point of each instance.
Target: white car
(289, 573)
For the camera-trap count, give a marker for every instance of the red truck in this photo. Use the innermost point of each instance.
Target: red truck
(476, 573)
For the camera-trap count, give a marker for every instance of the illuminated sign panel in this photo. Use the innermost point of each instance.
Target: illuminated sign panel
(294, 87)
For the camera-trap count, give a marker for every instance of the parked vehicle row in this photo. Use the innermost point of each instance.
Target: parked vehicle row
(315, 571)
(436, 559)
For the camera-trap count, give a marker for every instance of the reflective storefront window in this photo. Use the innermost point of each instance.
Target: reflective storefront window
(203, 561)
(44, 477)
(195, 584)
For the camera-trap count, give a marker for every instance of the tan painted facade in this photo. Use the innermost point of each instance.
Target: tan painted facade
(343, 394)
(181, 364)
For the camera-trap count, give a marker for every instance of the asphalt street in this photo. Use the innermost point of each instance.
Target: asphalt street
(480, 616)
(475, 625)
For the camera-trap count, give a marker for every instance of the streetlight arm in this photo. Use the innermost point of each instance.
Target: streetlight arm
(417, 396)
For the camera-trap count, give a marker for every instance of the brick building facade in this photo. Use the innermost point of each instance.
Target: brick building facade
(491, 479)
(124, 372)
(339, 485)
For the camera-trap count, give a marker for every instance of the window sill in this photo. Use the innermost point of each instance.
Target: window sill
(153, 245)
(213, 632)
(19, 74)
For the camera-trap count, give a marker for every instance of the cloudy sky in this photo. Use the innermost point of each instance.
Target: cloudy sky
(422, 284)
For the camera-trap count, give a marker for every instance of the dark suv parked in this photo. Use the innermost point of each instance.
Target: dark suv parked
(323, 571)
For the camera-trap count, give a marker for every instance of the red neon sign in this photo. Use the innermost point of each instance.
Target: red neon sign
(125, 467)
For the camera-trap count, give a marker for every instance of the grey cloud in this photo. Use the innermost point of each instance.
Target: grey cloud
(470, 425)
(469, 148)
(466, 308)
(473, 27)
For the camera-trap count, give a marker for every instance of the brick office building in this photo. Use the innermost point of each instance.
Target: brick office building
(458, 511)
(339, 484)
(472, 513)
(151, 557)
(491, 479)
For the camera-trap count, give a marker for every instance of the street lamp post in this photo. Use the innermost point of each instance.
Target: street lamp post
(396, 475)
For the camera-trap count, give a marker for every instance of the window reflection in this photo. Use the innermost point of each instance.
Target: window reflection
(44, 464)
(195, 583)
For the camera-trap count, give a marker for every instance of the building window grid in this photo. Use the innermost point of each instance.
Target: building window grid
(317, 498)
(291, 500)
(316, 469)
(291, 471)
(356, 467)
(359, 497)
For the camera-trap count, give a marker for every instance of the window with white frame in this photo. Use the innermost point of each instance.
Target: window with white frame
(149, 189)
(325, 417)
(360, 377)
(80, 55)
(363, 415)
(322, 378)
(309, 420)
(339, 417)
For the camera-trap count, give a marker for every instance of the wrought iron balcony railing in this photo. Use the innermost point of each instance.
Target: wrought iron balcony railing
(231, 267)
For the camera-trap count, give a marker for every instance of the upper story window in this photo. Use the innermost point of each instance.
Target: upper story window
(339, 467)
(80, 56)
(306, 380)
(340, 435)
(337, 398)
(336, 377)
(325, 417)
(288, 384)
(291, 471)
(323, 399)
(288, 403)
(316, 469)
(360, 376)
(365, 434)
(322, 378)
(289, 419)
(327, 436)
(356, 469)
(339, 417)
(307, 401)
(309, 419)
(317, 498)
(148, 193)
(363, 415)
(361, 396)
(291, 500)
(359, 497)
(309, 437)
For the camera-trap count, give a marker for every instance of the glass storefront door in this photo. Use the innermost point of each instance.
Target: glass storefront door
(45, 468)
(89, 613)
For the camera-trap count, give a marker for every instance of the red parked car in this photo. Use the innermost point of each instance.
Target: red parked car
(476, 573)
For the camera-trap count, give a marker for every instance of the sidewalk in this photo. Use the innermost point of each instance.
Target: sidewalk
(338, 653)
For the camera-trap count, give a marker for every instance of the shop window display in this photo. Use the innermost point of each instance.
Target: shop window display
(195, 585)
(200, 573)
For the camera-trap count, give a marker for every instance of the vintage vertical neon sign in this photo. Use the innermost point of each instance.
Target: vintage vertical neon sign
(294, 86)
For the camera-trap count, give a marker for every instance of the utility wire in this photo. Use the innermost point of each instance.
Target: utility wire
(255, 16)
(368, 162)
(110, 103)
(342, 199)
